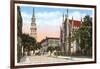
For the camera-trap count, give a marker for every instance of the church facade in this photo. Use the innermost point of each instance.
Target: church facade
(67, 31)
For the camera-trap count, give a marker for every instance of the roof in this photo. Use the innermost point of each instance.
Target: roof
(47, 38)
(76, 23)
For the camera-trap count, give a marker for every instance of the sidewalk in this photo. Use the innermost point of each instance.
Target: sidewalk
(72, 58)
(51, 59)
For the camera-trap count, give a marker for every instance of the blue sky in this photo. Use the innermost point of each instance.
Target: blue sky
(29, 9)
(49, 20)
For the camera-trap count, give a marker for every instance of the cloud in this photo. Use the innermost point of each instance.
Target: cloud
(26, 28)
(26, 17)
(76, 15)
(48, 24)
(49, 17)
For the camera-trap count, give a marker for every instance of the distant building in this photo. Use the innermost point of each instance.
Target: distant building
(33, 28)
(47, 42)
(68, 29)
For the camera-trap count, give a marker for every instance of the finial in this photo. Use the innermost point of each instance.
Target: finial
(67, 11)
(72, 17)
(63, 16)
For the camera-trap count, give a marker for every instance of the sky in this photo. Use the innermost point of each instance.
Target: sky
(49, 19)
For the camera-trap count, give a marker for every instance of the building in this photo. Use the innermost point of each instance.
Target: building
(49, 42)
(68, 29)
(33, 28)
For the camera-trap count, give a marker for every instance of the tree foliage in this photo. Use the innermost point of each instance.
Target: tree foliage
(19, 33)
(38, 46)
(58, 48)
(50, 49)
(28, 42)
(83, 35)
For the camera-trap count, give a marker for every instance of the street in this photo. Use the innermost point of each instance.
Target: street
(51, 59)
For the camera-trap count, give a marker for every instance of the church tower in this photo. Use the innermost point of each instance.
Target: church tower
(33, 28)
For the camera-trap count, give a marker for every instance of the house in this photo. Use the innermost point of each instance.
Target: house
(49, 42)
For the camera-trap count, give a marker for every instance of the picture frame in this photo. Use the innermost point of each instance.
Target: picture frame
(64, 11)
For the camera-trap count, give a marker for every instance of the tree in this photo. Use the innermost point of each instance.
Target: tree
(87, 24)
(38, 46)
(19, 33)
(28, 42)
(84, 35)
(57, 49)
(50, 49)
(33, 44)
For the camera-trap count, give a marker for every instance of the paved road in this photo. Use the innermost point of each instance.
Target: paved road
(50, 59)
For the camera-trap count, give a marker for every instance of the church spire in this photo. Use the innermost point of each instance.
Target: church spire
(33, 16)
(66, 14)
(63, 18)
(33, 13)
(72, 17)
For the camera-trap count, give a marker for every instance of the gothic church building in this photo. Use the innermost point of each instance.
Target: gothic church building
(67, 30)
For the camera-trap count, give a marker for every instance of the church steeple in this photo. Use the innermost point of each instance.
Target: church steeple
(63, 18)
(33, 28)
